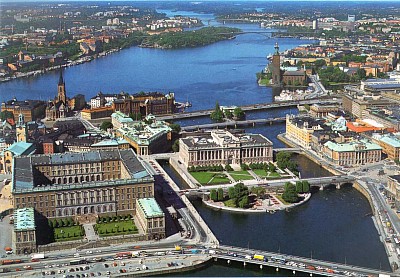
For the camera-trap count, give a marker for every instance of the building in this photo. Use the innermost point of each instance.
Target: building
(322, 110)
(151, 218)
(24, 235)
(220, 147)
(388, 116)
(294, 78)
(109, 144)
(15, 150)
(101, 100)
(390, 145)
(96, 113)
(31, 109)
(351, 18)
(352, 153)
(357, 102)
(84, 185)
(60, 106)
(146, 137)
(146, 103)
(300, 129)
(120, 120)
(275, 67)
(393, 190)
(315, 24)
(364, 125)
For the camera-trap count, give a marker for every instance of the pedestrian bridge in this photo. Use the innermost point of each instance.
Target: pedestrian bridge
(292, 263)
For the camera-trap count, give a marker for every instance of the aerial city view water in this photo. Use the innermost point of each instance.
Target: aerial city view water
(344, 224)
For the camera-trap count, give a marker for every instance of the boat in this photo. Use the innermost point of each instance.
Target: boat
(269, 57)
(188, 104)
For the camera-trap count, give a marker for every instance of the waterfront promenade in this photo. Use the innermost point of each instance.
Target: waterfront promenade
(234, 124)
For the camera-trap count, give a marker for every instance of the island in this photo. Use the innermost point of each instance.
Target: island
(200, 37)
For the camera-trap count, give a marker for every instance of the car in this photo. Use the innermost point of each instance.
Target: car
(108, 273)
(89, 252)
(137, 269)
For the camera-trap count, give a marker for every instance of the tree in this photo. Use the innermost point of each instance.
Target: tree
(299, 186)
(175, 146)
(306, 187)
(106, 125)
(272, 167)
(228, 114)
(217, 115)
(135, 116)
(213, 195)
(228, 168)
(361, 73)
(176, 128)
(238, 113)
(244, 202)
(6, 115)
(220, 194)
(290, 194)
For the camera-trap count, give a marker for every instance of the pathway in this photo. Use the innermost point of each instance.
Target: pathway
(90, 233)
(253, 174)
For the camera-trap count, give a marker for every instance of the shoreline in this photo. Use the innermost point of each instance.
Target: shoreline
(307, 197)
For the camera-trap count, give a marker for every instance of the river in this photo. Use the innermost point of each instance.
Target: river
(334, 225)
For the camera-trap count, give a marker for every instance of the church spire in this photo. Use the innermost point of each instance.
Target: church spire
(61, 80)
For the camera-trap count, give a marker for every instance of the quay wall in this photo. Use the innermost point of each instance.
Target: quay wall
(183, 173)
(169, 270)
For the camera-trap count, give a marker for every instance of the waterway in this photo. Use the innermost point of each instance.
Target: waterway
(224, 72)
(332, 226)
(335, 225)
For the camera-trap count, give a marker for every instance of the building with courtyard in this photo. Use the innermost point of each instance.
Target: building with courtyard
(220, 147)
(101, 182)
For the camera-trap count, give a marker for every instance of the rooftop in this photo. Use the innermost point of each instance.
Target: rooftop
(24, 219)
(21, 148)
(150, 207)
(388, 139)
(395, 177)
(361, 145)
(26, 176)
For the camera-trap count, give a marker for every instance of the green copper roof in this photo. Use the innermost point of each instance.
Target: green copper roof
(24, 219)
(21, 148)
(390, 140)
(363, 145)
(150, 207)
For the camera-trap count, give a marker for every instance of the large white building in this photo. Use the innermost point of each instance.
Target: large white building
(220, 147)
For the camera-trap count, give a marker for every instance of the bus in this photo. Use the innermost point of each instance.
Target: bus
(123, 255)
(259, 257)
(76, 262)
(278, 259)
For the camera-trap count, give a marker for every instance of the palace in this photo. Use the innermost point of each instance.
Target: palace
(220, 147)
(102, 182)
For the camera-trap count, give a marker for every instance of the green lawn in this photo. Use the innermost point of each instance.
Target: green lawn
(230, 203)
(264, 81)
(279, 197)
(68, 233)
(116, 228)
(263, 174)
(241, 175)
(209, 178)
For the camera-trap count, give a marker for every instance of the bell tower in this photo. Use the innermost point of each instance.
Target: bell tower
(61, 94)
(276, 66)
(20, 129)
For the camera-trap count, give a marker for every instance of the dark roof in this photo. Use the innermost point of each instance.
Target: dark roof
(395, 177)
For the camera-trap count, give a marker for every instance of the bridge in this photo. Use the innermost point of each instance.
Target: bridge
(320, 182)
(294, 263)
(234, 124)
(291, 150)
(259, 106)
